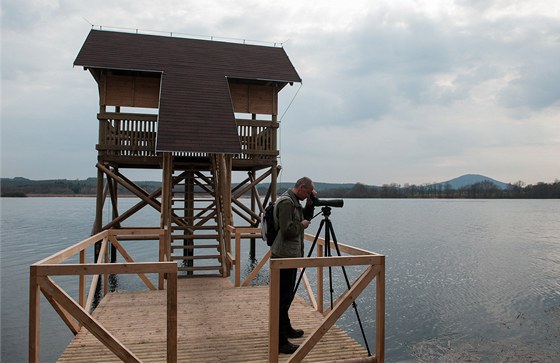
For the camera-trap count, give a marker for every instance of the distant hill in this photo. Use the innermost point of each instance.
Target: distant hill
(470, 179)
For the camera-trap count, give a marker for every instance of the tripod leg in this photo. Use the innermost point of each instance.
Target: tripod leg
(330, 230)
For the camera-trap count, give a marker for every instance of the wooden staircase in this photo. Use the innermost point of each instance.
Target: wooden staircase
(197, 233)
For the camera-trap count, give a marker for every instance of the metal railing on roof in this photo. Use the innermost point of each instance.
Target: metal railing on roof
(189, 36)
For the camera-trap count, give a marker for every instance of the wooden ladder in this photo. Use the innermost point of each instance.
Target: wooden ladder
(196, 238)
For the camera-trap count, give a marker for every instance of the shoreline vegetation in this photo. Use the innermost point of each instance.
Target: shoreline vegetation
(486, 189)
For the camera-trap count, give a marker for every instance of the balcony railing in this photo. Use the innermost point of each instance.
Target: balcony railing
(130, 134)
(127, 134)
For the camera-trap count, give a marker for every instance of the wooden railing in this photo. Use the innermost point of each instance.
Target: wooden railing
(127, 134)
(258, 139)
(130, 134)
(233, 258)
(374, 269)
(77, 314)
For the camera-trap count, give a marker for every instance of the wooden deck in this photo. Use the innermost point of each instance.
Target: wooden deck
(216, 323)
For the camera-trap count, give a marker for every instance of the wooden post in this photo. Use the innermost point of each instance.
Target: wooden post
(273, 182)
(34, 315)
(274, 140)
(380, 315)
(161, 258)
(99, 201)
(166, 194)
(189, 216)
(82, 281)
(252, 247)
(102, 139)
(172, 317)
(114, 202)
(226, 167)
(320, 303)
(274, 313)
(237, 259)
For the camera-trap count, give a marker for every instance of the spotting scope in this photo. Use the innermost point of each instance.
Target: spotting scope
(335, 203)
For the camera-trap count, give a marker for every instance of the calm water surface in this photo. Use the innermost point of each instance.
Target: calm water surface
(466, 280)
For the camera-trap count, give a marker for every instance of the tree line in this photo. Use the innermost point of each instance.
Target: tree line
(21, 187)
(481, 190)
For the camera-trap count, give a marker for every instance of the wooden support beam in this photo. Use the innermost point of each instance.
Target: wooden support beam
(128, 258)
(71, 251)
(253, 183)
(112, 185)
(99, 201)
(82, 281)
(34, 316)
(166, 195)
(153, 196)
(240, 213)
(110, 268)
(164, 255)
(256, 194)
(64, 315)
(87, 320)
(257, 269)
(309, 291)
(347, 299)
(380, 315)
(172, 317)
(130, 186)
(252, 214)
(327, 261)
(95, 278)
(274, 315)
(320, 279)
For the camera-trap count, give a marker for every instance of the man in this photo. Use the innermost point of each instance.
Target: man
(292, 219)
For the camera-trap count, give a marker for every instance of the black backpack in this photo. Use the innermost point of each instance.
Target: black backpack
(269, 229)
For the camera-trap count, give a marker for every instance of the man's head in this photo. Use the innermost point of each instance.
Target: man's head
(304, 188)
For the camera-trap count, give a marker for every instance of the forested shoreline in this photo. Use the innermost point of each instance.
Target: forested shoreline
(21, 187)
(482, 190)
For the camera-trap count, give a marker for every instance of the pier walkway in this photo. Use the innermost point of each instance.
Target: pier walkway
(198, 319)
(219, 323)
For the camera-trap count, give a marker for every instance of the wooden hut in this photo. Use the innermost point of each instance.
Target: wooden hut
(198, 110)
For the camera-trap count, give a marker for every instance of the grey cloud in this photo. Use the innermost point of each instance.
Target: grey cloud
(375, 63)
(18, 15)
(536, 56)
(535, 89)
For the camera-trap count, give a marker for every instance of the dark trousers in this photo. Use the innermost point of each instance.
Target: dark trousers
(287, 285)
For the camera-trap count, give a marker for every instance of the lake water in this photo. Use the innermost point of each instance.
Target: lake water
(466, 280)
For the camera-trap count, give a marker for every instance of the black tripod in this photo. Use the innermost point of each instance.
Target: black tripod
(329, 231)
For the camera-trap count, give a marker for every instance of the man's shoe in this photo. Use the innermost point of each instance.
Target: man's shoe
(294, 333)
(287, 348)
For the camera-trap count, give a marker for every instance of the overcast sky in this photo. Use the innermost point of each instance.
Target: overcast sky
(393, 91)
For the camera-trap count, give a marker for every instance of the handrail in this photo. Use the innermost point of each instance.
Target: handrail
(77, 314)
(374, 269)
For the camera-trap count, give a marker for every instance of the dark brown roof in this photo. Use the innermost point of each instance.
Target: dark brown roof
(195, 112)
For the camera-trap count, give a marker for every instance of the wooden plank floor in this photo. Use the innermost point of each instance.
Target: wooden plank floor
(216, 323)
